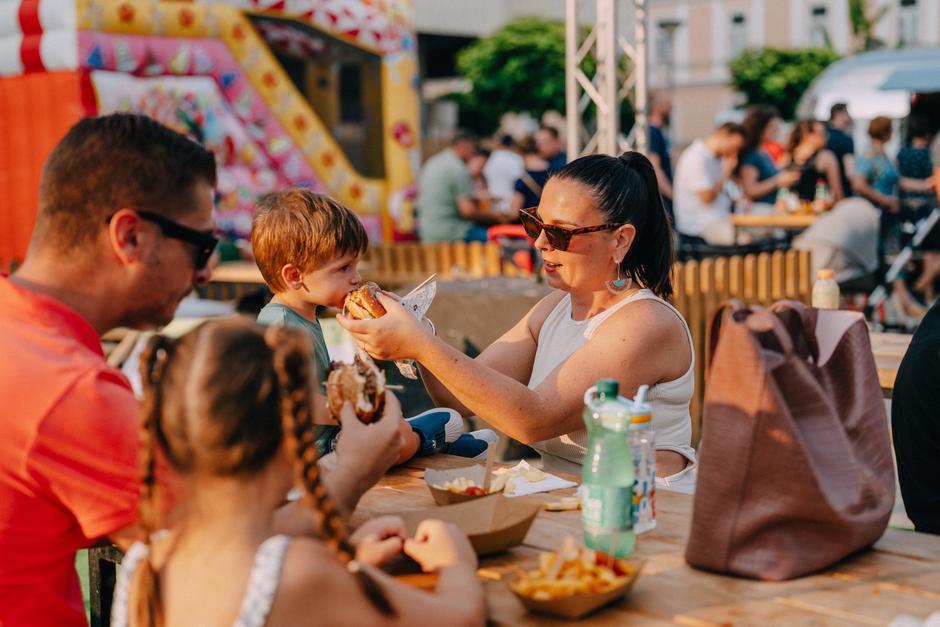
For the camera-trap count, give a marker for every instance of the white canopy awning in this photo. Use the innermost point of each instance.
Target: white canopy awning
(873, 83)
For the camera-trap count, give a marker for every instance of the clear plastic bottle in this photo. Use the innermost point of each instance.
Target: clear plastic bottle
(607, 504)
(822, 197)
(825, 290)
(643, 448)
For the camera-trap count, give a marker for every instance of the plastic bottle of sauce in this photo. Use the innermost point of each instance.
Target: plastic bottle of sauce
(825, 290)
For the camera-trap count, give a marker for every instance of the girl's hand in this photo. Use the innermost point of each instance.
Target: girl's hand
(378, 540)
(396, 335)
(438, 544)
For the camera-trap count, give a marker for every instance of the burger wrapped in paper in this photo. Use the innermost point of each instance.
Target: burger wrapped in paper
(362, 303)
(361, 383)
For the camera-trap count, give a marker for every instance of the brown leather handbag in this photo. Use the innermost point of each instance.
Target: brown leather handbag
(795, 469)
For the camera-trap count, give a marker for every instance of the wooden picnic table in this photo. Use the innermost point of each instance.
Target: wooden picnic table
(900, 575)
(889, 349)
(793, 221)
(237, 272)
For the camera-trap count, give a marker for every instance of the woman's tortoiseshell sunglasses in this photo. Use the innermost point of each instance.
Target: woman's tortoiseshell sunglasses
(558, 236)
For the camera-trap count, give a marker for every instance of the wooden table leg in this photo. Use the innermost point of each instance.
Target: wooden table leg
(102, 571)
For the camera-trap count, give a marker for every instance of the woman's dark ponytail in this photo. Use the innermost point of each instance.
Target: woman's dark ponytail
(627, 191)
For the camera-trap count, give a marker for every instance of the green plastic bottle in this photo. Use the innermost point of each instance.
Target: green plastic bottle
(607, 503)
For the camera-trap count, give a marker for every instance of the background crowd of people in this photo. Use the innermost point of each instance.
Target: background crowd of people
(759, 165)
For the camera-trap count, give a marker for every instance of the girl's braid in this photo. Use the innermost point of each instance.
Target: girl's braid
(145, 587)
(292, 363)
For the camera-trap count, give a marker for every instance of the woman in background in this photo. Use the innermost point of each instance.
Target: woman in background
(758, 175)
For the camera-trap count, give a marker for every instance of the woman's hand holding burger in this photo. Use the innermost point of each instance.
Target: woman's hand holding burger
(395, 335)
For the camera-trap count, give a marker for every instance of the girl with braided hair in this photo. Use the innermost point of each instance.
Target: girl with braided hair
(229, 405)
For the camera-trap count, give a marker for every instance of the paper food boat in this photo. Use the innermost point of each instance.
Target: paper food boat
(492, 523)
(578, 605)
(433, 477)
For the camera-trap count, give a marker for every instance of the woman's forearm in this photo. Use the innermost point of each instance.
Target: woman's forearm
(439, 393)
(501, 401)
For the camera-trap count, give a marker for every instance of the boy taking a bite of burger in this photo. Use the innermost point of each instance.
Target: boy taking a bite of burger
(307, 247)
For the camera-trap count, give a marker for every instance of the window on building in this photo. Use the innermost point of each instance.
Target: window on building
(663, 51)
(738, 39)
(907, 23)
(819, 27)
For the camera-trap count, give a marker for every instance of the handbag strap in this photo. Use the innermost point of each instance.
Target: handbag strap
(803, 328)
(762, 321)
(732, 305)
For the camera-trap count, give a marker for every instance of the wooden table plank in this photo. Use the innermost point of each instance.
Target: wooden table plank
(773, 220)
(900, 575)
(889, 350)
(237, 272)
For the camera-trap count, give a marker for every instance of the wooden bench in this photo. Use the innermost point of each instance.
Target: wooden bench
(390, 265)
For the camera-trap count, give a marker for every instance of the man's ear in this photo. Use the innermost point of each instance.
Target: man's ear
(293, 276)
(125, 236)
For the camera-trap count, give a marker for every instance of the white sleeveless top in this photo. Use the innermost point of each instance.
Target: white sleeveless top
(259, 595)
(560, 337)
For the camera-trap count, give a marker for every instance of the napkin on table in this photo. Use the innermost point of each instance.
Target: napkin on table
(523, 486)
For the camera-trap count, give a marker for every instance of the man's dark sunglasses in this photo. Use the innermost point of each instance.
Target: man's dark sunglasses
(204, 242)
(558, 236)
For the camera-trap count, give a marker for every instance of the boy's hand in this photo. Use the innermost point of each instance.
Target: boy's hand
(396, 335)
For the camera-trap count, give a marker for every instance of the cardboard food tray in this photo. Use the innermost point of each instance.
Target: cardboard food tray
(493, 523)
(579, 605)
(434, 477)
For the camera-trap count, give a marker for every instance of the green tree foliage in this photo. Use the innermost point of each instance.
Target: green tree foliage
(778, 77)
(520, 68)
(864, 20)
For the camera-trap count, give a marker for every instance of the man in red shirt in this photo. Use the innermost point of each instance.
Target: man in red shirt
(123, 233)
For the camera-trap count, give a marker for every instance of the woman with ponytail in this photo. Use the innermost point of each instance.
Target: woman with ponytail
(239, 438)
(607, 245)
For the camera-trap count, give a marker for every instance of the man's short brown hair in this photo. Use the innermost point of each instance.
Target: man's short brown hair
(111, 162)
(303, 228)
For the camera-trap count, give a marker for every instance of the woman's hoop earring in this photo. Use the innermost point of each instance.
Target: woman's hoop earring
(619, 285)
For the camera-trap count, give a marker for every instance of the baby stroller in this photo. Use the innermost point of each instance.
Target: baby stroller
(926, 236)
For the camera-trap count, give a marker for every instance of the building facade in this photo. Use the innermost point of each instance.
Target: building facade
(693, 40)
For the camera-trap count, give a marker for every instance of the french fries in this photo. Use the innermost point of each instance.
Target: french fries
(463, 485)
(565, 504)
(502, 482)
(572, 571)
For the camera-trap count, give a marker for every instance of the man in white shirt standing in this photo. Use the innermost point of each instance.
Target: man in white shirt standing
(502, 170)
(701, 203)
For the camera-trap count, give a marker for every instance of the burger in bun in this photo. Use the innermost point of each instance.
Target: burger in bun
(361, 383)
(362, 303)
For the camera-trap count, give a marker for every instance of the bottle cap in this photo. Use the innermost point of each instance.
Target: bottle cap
(608, 387)
(825, 273)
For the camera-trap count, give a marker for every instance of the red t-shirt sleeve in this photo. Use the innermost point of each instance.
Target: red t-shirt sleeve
(86, 450)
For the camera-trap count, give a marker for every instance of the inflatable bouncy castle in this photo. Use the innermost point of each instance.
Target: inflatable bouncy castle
(318, 93)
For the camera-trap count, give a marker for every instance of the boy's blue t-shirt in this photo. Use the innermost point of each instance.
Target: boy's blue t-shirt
(277, 314)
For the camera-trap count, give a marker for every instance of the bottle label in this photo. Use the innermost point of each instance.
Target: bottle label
(607, 507)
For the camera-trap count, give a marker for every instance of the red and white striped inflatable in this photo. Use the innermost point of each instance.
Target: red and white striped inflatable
(37, 36)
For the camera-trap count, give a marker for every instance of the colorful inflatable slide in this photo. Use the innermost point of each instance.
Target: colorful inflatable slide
(319, 93)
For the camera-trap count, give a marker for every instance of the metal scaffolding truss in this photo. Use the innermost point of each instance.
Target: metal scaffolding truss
(593, 103)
